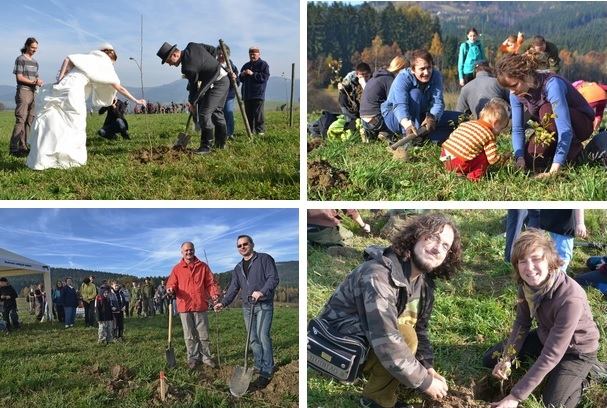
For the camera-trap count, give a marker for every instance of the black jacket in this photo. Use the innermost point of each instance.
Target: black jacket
(199, 63)
(9, 291)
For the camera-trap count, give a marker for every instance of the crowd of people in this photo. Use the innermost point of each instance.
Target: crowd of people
(405, 101)
(54, 134)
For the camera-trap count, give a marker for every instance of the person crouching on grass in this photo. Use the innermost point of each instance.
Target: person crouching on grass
(564, 345)
(471, 148)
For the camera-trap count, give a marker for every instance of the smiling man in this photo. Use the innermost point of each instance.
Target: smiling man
(416, 99)
(388, 300)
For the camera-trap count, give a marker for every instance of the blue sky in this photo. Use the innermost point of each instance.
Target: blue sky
(65, 27)
(145, 242)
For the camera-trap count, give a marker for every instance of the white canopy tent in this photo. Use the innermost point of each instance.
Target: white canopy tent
(12, 264)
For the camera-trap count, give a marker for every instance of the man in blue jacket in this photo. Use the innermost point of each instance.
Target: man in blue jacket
(257, 276)
(254, 76)
(416, 99)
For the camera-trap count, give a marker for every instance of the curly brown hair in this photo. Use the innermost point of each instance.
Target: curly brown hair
(423, 226)
(527, 242)
(514, 66)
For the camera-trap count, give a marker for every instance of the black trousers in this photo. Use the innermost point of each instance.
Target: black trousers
(255, 115)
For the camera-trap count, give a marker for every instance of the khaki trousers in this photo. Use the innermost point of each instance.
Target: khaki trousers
(381, 386)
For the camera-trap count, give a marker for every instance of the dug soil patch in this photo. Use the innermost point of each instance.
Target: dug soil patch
(161, 154)
(322, 176)
(314, 143)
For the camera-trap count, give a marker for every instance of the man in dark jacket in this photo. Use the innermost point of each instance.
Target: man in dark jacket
(208, 85)
(115, 121)
(388, 300)
(254, 76)
(257, 277)
(8, 295)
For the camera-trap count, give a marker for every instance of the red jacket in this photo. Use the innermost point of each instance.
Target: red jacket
(192, 285)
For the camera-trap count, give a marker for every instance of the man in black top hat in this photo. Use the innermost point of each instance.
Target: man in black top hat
(208, 85)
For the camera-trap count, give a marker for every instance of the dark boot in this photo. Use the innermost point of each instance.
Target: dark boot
(206, 141)
(221, 134)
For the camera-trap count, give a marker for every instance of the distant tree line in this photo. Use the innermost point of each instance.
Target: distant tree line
(341, 35)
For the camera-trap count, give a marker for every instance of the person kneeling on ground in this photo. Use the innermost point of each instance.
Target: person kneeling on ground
(324, 228)
(389, 300)
(114, 121)
(565, 342)
(471, 147)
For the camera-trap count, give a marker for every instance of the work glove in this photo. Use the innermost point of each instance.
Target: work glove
(430, 123)
(410, 131)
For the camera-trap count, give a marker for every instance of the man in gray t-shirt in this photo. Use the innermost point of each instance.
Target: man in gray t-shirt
(26, 73)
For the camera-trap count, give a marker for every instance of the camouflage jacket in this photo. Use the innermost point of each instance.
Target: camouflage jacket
(369, 302)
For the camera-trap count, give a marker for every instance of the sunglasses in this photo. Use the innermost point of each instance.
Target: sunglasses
(246, 244)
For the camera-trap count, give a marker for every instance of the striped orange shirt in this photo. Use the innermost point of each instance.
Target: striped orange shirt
(470, 139)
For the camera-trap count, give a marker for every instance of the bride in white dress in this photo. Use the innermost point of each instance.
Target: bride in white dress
(58, 134)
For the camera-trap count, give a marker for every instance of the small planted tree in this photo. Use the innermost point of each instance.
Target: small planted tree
(543, 137)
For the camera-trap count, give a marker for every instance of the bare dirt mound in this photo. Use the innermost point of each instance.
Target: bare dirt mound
(314, 143)
(161, 154)
(475, 395)
(283, 390)
(322, 176)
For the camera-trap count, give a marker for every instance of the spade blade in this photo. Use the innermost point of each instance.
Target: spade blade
(239, 384)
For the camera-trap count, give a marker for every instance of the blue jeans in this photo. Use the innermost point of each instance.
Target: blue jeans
(70, 315)
(514, 225)
(564, 246)
(594, 278)
(261, 343)
(228, 112)
(417, 100)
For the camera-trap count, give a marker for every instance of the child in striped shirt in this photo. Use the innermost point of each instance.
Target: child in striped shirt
(471, 148)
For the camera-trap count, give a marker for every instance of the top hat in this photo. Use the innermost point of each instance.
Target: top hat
(165, 51)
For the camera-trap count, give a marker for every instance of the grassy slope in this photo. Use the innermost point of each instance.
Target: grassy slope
(45, 365)
(266, 168)
(471, 313)
(374, 176)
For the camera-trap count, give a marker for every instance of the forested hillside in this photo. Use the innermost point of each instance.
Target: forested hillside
(340, 35)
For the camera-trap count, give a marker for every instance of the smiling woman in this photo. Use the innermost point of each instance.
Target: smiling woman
(544, 94)
(566, 340)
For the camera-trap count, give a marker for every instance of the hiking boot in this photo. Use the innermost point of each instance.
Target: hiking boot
(202, 150)
(367, 403)
(192, 365)
(260, 383)
(18, 153)
(338, 250)
(598, 372)
(126, 136)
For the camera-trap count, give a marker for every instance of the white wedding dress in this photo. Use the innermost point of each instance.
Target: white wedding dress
(58, 134)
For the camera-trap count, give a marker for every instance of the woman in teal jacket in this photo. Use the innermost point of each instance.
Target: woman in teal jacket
(470, 51)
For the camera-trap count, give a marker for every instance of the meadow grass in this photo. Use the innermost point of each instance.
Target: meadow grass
(44, 364)
(265, 168)
(471, 312)
(374, 176)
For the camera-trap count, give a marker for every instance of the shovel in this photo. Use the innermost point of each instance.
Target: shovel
(242, 375)
(183, 138)
(169, 351)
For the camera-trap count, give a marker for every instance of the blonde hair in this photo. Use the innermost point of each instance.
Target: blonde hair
(527, 242)
(397, 64)
(495, 111)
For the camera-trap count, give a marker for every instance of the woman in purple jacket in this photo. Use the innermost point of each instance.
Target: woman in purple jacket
(541, 93)
(565, 342)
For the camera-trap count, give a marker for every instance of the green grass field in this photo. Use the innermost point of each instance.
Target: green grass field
(471, 312)
(46, 365)
(371, 174)
(266, 168)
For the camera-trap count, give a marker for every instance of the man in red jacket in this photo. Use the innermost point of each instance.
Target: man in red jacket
(190, 281)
